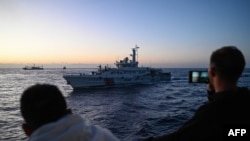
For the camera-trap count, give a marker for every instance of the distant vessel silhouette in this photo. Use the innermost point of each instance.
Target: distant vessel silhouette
(33, 67)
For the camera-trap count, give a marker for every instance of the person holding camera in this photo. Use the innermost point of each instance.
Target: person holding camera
(228, 105)
(47, 118)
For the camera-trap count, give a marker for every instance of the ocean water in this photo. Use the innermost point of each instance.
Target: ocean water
(131, 113)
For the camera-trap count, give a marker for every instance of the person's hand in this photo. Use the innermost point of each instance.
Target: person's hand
(210, 87)
(210, 91)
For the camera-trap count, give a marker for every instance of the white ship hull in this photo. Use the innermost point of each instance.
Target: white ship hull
(88, 81)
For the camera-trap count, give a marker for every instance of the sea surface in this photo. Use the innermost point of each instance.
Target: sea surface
(131, 113)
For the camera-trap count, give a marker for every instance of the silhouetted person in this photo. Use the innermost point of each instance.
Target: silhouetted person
(228, 105)
(47, 118)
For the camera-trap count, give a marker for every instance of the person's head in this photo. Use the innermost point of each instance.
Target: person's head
(41, 104)
(226, 65)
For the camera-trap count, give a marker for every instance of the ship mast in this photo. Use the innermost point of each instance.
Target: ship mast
(135, 52)
(135, 56)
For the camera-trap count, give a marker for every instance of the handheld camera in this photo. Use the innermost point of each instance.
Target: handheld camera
(198, 77)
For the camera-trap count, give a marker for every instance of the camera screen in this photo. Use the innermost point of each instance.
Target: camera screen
(198, 77)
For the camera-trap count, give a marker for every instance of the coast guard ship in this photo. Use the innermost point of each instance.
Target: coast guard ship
(126, 73)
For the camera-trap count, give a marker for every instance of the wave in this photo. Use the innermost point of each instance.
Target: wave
(180, 78)
(245, 75)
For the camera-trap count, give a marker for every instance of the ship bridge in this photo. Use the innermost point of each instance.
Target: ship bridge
(129, 63)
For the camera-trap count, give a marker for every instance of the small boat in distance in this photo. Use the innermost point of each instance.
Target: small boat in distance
(33, 67)
(126, 73)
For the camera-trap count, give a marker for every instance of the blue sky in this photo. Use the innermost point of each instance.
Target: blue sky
(170, 33)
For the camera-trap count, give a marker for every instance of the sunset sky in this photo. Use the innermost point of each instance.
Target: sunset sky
(170, 33)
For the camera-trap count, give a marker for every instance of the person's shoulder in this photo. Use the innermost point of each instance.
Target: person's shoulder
(102, 134)
(244, 91)
(243, 95)
(95, 132)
